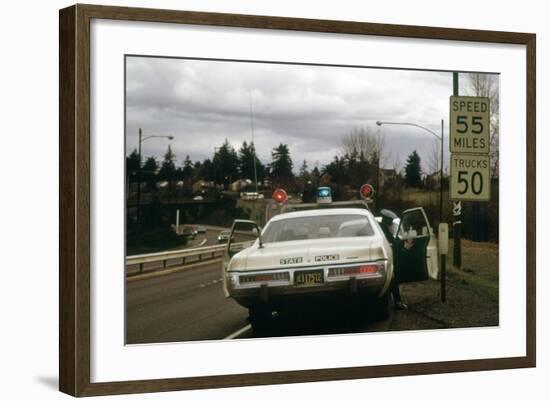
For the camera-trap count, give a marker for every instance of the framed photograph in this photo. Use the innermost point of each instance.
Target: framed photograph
(250, 200)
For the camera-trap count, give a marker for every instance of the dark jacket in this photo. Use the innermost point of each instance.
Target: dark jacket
(387, 233)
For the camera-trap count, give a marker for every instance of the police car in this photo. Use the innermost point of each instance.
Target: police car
(333, 251)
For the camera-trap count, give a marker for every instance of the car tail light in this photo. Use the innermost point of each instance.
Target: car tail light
(264, 277)
(353, 270)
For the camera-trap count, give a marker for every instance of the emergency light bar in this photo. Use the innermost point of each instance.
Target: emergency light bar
(324, 195)
(366, 191)
(279, 196)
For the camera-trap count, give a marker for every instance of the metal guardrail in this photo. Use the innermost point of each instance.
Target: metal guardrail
(198, 254)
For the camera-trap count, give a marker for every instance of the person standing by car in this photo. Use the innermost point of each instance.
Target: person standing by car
(387, 221)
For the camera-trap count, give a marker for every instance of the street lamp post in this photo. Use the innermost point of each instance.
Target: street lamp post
(440, 138)
(142, 139)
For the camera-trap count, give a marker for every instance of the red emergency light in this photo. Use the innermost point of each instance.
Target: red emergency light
(279, 196)
(366, 191)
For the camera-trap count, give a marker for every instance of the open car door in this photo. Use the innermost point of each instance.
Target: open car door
(243, 235)
(411, 246)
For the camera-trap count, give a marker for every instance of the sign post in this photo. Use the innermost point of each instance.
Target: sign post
(470, 164)
(457, 206)
(443, 247)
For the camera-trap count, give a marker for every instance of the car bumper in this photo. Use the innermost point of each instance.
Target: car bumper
(373, 284)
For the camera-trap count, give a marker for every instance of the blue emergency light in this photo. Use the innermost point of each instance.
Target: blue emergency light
(324, 195)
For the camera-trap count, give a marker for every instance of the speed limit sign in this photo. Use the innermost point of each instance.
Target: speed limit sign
(469, 125)
(470, 177)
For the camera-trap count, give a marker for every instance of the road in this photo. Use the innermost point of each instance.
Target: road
(190, 305)
(205, 239)
(182, 306)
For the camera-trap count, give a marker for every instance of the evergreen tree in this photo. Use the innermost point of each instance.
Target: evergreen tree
(315, 175)
(247, 157)
(306, 183)
(133, 161)
(148, 173)
(132, 165)
(187, 171)
(413, 170)
(225, 164)
(150, 165)
(337, 170)
(168, 168)
(304, 172)
(281, 165)
(197, 170)
(205, 171)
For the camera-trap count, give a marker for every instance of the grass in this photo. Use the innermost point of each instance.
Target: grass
(479, 268)
(472, 293)
(422, 196)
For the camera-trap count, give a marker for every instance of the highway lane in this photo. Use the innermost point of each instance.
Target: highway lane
(190, 305)
(182, 306)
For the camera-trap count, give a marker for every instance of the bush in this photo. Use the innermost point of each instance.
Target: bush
(154, 240)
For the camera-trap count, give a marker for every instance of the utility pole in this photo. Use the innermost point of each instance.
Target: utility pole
(140, 140)
(441, 176)
(457, 207)
(253, 145)
(139, 180)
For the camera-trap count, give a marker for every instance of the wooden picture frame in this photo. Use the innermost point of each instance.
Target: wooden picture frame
(75, 208)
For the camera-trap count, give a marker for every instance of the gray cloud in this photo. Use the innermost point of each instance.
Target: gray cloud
(310, 108)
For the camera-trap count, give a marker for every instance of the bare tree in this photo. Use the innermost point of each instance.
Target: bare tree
(392, 160)
(362, 144)
(434, 157)
(396, 163)
(487, 85)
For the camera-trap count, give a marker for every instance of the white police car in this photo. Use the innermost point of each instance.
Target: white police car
(334, 251)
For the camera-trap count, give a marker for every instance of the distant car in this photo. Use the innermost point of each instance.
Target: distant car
(189, 232)
(251, 195)
(198, 198)
(201, 229)
(224, 236)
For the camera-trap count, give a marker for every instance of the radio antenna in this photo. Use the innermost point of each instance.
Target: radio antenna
(254, 146)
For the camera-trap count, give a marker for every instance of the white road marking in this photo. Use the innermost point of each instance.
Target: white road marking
(239, 332)
(199, 245)
(219, 280)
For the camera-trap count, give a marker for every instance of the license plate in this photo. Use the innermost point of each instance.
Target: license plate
(307, 278)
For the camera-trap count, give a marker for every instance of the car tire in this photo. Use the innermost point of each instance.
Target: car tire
(379, 308)
(259, 317)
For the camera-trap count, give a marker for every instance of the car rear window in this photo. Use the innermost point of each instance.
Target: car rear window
(317, 227)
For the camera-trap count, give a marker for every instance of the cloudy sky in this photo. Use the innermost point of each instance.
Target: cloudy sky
(310, 108)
